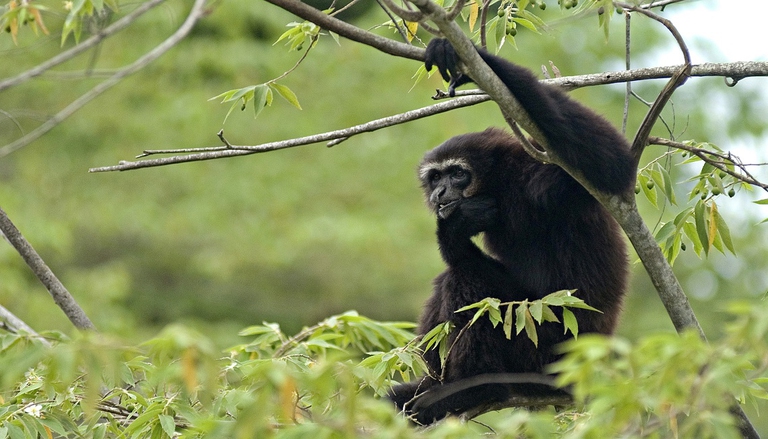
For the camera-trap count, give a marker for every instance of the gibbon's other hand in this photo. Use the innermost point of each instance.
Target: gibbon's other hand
(472, 216)
(440, 53)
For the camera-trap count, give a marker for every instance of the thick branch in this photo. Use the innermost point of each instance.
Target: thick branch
(347, 30)
(60, 295)
(195, 14)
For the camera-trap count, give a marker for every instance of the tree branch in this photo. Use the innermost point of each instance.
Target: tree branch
(80, 48)
(678, 79)
(60, 295)
(467, 98)
(720, 161)
(14, 324)
(195, 13)
(347, 30)
(233, 150)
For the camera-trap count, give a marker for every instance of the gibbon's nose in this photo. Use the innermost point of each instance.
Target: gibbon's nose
(437, 194)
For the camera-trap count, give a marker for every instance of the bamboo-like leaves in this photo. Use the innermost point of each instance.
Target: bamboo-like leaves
(260, 95)
(527, 314)
(701, 223)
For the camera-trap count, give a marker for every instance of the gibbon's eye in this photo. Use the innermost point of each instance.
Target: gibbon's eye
(459, 174)
(435, 177)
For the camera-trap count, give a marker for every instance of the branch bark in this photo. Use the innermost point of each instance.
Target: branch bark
(60, 295)
(467, 98)
(347, 30)
(14, 324)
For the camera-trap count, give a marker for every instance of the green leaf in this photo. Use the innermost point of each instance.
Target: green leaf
(15, 432)
(286, 93)
(530, 328)
(763, 201)
(537, 310)
(723, 230)
(296, 29)
(701, 225)
(501, 31)
(548, 315)
(494, 313)
(260, 97)
(168, 424)
(570, 323)
(508, 319)
(665, 232)
(144, 419)
(520, 312)
(527, 24)
(335, 37)
(667, 185)
(650, 194)
(690, 232)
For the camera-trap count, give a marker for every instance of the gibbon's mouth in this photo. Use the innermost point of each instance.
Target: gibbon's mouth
(444, 210)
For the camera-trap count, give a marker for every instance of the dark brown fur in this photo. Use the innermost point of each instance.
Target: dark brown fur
(543, 233)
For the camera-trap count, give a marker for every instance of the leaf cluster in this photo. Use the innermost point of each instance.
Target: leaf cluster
(668, 385)
(16, 14)
(526, 314)
(323, 382)
(700, 222)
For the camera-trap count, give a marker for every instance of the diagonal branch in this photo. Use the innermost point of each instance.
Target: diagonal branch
(347, 30)
(60, 295)
(10, 322)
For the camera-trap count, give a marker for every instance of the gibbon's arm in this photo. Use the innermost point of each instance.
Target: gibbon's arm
(575, 133)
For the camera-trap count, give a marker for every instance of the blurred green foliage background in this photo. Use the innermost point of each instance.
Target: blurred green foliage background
(296, 235)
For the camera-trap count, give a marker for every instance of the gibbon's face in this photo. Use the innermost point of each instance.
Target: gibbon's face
(446, 184)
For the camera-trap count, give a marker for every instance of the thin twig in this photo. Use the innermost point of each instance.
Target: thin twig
(720, 161)
(628, 66)
(80, 48)
(195, 14)
(660, 4)
(468, 98)
(456, 9)
(392, 18)
(483, 22)
(60, 295)
(405, 14)
(234, 150)
(675, 81)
